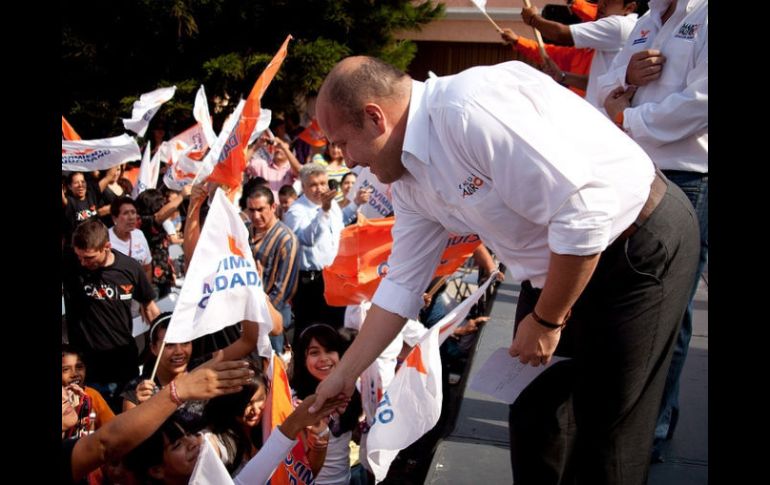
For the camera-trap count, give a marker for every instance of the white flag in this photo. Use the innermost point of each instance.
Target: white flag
(263, 123)
(88, 155)
(193, 137)
(183, 169)
(222, 286)
(202, 116)
(481, 4)
(380, 201)
(411, 404)
(145, 108)
(209, 469)
(148, 172)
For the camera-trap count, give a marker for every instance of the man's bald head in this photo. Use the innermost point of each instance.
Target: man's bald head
(354, 81)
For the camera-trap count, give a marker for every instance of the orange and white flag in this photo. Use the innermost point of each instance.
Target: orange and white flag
(145, 108)
(232, 162)
(222, 286)
(202, 116)
(67, 131)
(362, 260)
(380, 199)
(148, 173)
(411, 404)
(89, 155)
(295, 468)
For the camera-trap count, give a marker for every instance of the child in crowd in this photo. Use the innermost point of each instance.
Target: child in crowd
(84, 399)
(319, 349)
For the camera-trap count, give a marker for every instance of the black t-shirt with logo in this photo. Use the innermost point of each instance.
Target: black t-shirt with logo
(99, 305)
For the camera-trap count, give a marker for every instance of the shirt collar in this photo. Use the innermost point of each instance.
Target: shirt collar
(416, 138)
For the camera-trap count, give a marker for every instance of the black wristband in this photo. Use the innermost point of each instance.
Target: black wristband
(545, 323)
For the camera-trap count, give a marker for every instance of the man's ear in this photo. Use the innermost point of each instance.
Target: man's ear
(108, 245)
(374, 114)
(630, 8)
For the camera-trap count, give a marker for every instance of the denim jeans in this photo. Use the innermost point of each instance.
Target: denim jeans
(277, 341)
(696, 188)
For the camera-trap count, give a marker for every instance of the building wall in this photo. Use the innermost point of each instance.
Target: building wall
(464, 37)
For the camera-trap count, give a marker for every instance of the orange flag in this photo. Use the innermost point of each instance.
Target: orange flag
(312, 135)
(295, 468)
(67, 131)
(362, 260)
(586, 11)
(232, 161)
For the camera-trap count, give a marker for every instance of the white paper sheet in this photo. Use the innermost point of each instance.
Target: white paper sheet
(504, 377)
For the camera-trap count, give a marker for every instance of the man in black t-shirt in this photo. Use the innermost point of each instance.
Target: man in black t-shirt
(99, 284)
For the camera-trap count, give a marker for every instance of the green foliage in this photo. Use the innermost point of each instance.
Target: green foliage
(114, 51)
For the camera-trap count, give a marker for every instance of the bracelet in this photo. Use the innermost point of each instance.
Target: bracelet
(174, 395)
(546, 323)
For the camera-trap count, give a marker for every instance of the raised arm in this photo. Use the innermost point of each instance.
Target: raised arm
(129, 429)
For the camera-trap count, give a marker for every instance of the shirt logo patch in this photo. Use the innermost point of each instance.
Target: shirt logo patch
(643, 37)
(470, 185)
(687, 31)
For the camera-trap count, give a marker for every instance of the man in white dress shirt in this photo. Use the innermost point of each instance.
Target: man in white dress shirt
(576, 211)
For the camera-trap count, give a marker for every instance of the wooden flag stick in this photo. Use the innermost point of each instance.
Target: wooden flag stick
(538, 37)
(157, 360)
(499, 30)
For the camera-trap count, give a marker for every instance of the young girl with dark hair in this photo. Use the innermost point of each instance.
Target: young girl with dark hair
(319, 349)
(233, 422)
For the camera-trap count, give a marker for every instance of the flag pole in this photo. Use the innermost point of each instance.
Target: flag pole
(157, 360)
(484, 11)
(538, 37)
(499, 30)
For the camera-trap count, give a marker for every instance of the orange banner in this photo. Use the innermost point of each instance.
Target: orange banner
(362, 259)
(67, 131)
(312, 135)
(229, 171)
(294, 469)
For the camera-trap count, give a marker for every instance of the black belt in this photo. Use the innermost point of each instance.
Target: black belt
(657, 191)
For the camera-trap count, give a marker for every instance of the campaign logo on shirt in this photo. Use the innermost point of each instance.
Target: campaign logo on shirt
(470, 185)
(127, 292)
(100, 292)
(382, 269)
(642, 37)
(85, 214)
(687, 31)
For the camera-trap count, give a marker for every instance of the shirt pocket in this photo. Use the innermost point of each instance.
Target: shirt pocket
(679, 61)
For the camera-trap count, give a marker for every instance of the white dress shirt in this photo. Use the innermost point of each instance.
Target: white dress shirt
(669, 116)
(606, 37)
(505, 152)
(318, 232)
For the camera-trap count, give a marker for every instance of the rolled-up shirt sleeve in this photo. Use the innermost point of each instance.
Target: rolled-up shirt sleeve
(418, 243)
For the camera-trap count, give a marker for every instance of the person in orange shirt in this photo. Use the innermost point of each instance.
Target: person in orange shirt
(585, 50)
(585, 10)
(84, 399)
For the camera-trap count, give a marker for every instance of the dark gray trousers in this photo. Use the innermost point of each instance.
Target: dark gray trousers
(590, 420)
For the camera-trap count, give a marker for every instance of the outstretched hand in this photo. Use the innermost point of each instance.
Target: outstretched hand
(336, 388)
(214, 378)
